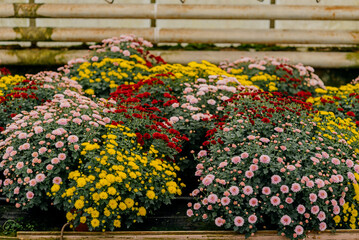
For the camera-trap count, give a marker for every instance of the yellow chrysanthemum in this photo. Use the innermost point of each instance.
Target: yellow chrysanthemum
(150, 194)
(81, 182)
(142, 211)
(55, 188)
(90, 91)
(95, 223)
(79, 204)
(129, 202)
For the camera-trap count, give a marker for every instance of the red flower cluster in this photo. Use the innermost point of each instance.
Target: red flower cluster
(132, 93)
(24, 96)
(4, 71)
(351, 114)
(252, 106)
(148, 56)
(265, 120)
(151, 126)
(342, 107)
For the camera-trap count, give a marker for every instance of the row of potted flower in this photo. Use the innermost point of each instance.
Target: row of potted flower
(261, 157)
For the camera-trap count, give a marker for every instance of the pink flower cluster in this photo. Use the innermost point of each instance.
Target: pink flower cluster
(290, 166)
(38, 144)
(307, 72)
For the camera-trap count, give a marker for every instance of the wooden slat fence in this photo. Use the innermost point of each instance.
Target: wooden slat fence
(181, 35)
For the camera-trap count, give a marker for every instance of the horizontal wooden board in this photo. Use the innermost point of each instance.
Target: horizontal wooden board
(176, 235)
(61, 57)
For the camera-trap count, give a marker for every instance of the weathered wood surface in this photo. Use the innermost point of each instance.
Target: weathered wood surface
(8, 238)
(175, 235)
(60, 57)
(176, 11)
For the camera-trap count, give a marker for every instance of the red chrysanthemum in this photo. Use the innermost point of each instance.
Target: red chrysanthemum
(265, 120)
(351, 114)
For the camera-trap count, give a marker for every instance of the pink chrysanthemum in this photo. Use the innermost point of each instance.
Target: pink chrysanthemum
(189, 212)
(266, 190)
(73, 139)
(296, 187)
(59, 144)
(301, 209)
(289, 200)
(299, 230)
(322, 226)
(247, 190)
(249, 174)
(264, 159)
(234, 190)
(321, 216)
(252, 219)
(40, 177)
(57, 180)
(42, 150)
(19, 165)
(62, 156)
(238, 221)
(313, 197)
(322, 194)
(236, 159)
(284, 189)
(196, 206)
(285, 220)
(275, 201)
(253, 167)
(212, 198)
(219, 221)
(276, 179)
(202, 153)
(244, 155)
(253, 202)
(314, 210)
(30, 195)
(225, 201)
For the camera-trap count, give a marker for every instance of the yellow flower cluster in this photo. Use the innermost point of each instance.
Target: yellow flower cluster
(101, 78)
(9, 80)
(328, 93)
(329, 124)
(117, 67)
(117, 180)
(268, 80)
(89, 147)
(109, 72)
(89, 91)
(351, 215)
(196, 70)
(350, 212)
(342, 90)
